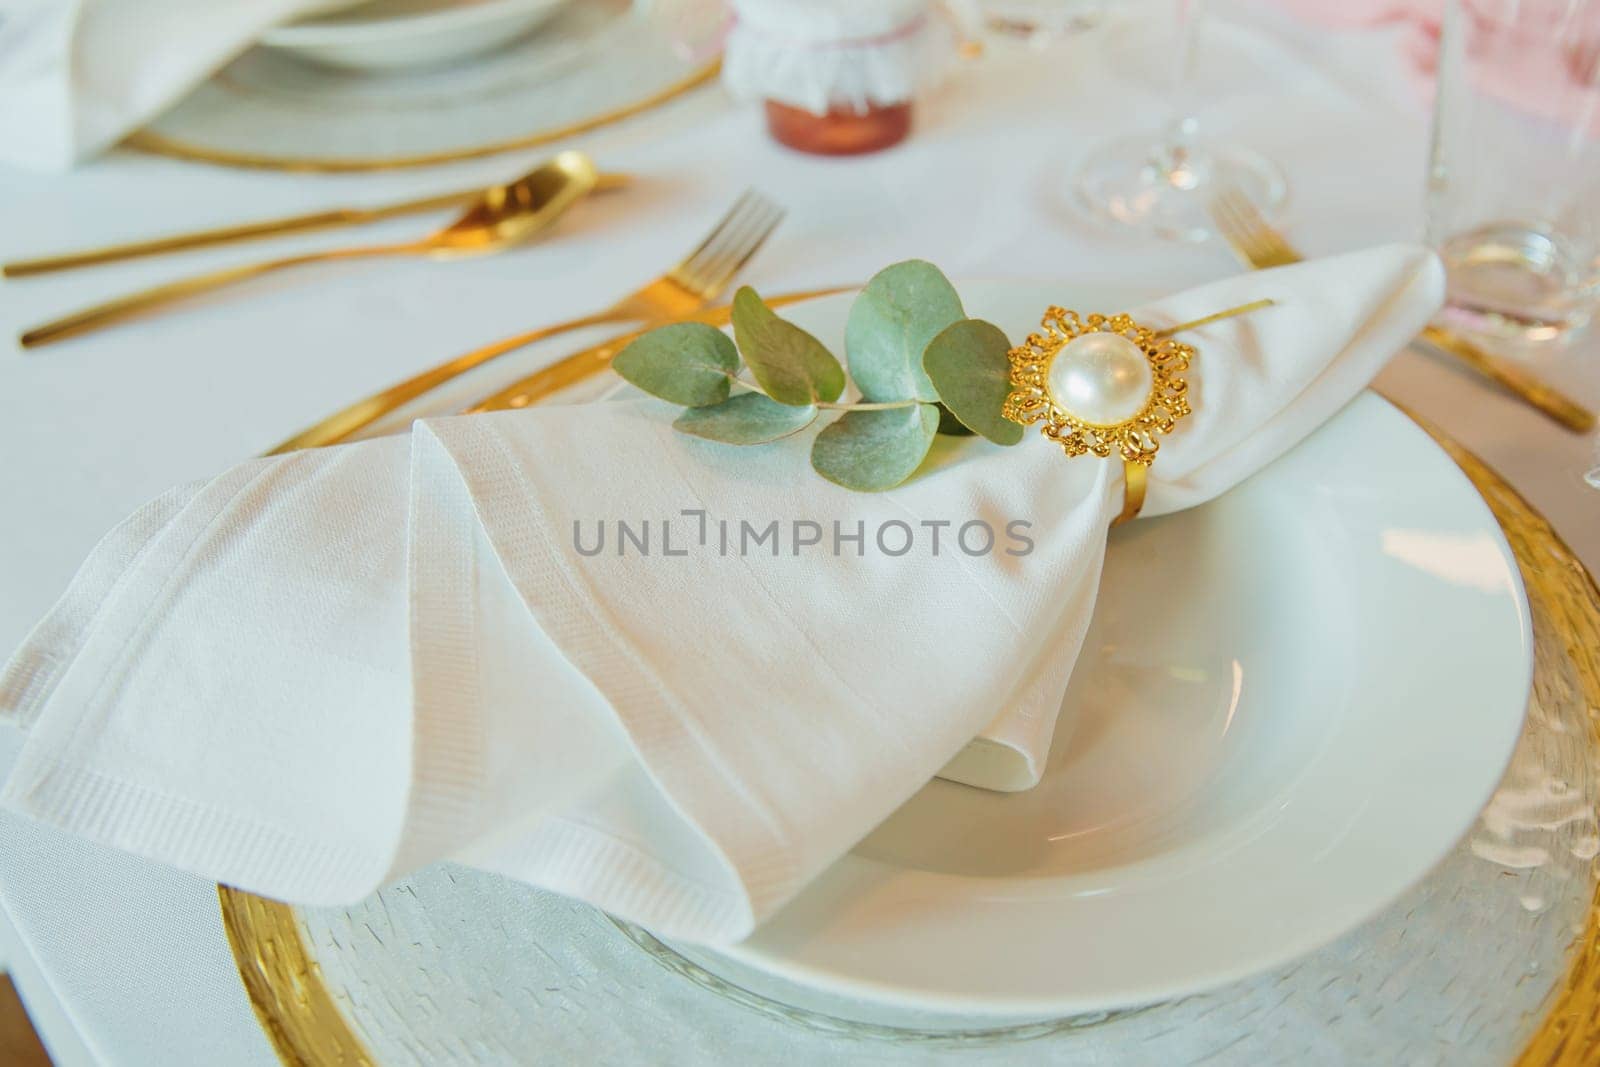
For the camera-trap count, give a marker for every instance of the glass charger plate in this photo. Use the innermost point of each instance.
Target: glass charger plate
(1475, 965)
(595, 63)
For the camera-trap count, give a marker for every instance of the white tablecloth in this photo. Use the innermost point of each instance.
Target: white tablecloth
(125, 962)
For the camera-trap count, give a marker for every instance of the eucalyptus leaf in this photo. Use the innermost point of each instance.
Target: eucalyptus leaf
(902, 308)
(875, 450)
(687, 363)
(967, 363)
(746, 419)
(950, 426)
(790, 365)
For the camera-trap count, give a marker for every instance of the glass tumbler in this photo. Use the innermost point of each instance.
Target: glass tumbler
(1513, 201)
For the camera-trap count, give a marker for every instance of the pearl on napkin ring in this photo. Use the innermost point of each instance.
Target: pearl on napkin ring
(1105, 385)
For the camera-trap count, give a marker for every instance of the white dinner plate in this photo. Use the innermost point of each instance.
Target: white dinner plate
(395, 34)
(592, 63)
(1292, 703)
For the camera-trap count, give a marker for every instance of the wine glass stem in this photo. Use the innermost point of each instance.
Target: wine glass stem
(1177, 147)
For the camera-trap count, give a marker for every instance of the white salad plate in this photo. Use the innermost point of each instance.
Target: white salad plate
(394, 34)
(1292, 703)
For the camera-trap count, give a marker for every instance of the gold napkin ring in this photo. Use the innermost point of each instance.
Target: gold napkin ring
(1106, 385)
(1136, 477)
(1101, 385)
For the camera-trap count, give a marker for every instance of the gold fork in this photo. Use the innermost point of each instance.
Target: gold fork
(693, 284)
(1260, 246)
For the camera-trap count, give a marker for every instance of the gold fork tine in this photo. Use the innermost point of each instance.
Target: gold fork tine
(718, 270)
(732, 227)
(743, 231)
(746, 200)
(1265, 247)
(1260, 246)
(1232, 230)
(691, 272)
(681, 291)
(717, 264)
(738, 264)
(1242, 221)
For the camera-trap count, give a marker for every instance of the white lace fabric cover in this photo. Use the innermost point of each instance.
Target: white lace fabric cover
(822, 54)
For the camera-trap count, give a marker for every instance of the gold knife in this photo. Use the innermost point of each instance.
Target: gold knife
(1522, 383)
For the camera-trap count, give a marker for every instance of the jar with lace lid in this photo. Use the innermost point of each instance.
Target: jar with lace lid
(836, 77)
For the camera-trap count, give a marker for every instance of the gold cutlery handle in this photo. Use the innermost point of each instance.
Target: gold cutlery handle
(221, 235)
(342, 424)
(127, 307)
(251, 231)
(347, 421)
(557, 376)
(1549, 400)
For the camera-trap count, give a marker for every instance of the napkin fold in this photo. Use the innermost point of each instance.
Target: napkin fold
(315, 672)
(76, 76)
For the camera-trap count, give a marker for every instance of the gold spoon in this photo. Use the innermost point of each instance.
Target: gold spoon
(261, 228)
(503, 215)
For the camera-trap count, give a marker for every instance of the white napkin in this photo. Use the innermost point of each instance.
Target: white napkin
(315, 672)
(78, 75)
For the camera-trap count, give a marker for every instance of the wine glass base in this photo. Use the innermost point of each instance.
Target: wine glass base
(1129, 184)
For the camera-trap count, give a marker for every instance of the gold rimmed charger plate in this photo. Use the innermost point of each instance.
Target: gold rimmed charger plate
(302, 1017)
(598, 63)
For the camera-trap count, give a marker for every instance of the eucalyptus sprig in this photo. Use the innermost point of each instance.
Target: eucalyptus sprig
(920, 365)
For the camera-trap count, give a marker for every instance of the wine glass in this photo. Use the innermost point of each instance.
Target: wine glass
(1038, 23)
(1163, 184)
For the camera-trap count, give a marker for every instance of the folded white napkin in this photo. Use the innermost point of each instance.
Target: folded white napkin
(78, 75)
(315, 672)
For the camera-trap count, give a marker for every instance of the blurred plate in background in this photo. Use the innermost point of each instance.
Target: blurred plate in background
(590, 64)
(396, 34)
